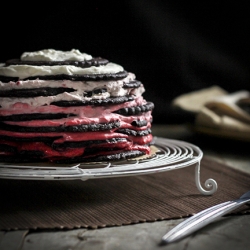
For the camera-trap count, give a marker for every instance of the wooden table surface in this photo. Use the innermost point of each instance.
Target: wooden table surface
(228, 233)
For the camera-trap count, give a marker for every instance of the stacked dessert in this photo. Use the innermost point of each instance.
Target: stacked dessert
(67, 106)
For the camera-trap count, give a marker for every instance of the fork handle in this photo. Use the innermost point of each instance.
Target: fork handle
(201, 219)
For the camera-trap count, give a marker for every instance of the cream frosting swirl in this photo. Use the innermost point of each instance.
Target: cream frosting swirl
(55, 55)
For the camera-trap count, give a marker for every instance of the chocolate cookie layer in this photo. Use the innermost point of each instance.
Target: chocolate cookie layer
(135, 110)
(134, 132)
(25, 93)
(83, 64)
(62, 128)
(139, 123)
(86, 77)
(103, 158)
(95, 102)
(35, 116)
(132, 84)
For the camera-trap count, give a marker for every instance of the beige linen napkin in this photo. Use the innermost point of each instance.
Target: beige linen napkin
(218, 112)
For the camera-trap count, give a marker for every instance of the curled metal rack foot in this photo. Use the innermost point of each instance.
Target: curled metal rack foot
(210, 184)
(169, 155)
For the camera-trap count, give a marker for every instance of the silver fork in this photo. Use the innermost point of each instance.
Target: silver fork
(203, 218)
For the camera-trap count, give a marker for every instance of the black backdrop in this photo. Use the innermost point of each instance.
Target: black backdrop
(173, 47)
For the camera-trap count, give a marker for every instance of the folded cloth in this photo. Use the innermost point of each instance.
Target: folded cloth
(218, 112)
(194, 101)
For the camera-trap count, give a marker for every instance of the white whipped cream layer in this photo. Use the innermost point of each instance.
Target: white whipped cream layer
(55, 55)
(114, 89)
(25, 71)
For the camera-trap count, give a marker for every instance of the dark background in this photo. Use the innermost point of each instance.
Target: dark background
(173, 47)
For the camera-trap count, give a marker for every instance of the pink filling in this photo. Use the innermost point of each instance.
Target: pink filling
(50, 153)
(83, 115)
(80, 111)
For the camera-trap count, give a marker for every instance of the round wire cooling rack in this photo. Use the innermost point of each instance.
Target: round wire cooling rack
(169, 155)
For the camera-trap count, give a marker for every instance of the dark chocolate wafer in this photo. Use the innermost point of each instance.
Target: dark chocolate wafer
(137, 123)
(97, 61)
(34, 92)
(95, 102)
(45, 139)
(134, 132)
(35, 116)
(24, 157)
(61, 128)
(136, 110)
(132, 84)
(103, 158)
(77, 77)
(109, 143)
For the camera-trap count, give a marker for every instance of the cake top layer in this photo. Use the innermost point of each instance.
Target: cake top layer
(50, 62)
